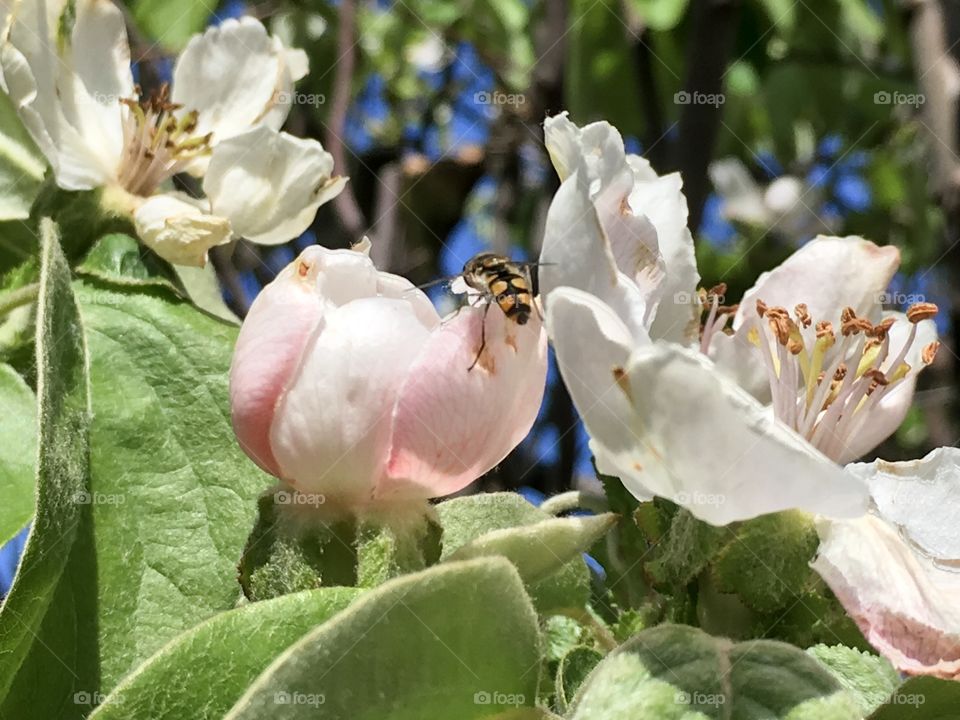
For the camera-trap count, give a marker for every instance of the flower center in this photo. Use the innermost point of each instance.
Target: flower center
(824, 385)
(157, 143)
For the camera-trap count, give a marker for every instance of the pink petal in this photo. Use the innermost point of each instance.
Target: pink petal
(274, 334)
(332, 431)
(452, 425)
(907, 607)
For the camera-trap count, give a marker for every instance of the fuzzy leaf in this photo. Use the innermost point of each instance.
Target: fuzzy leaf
(459, 640)
(204, 671)
(672, 671)
(18, 452)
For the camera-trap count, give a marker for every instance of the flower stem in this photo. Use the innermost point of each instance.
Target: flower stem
(10, 301)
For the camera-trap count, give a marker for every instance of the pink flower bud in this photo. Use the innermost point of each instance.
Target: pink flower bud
(346, 382)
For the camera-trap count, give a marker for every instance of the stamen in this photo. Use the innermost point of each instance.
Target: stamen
(921, 311)
(825, 389)
(158, 143)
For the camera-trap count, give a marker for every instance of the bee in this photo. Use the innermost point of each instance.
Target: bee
(499, 280)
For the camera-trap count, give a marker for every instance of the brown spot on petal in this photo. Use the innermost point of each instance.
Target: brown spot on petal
(511, 340)
(487, 361)
(638, 467)
(623, 381)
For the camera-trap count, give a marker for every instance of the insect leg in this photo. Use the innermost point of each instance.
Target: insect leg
(483, 336)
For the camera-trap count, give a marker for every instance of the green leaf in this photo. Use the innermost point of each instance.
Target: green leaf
(601, 77)
(922, 698)
(39, 620)
(204, 671)
(171, 22)
(145, 521)
(455, 641)
(22, 166)
(871, 679)
(572, 670)
(540, 549)
(685, 550)
(768, 562)
(18, 452)
(121, 259)
(173, 496)
(782, 13)
(673, 671)
(466, 519)
(204, 290)
(660, 14)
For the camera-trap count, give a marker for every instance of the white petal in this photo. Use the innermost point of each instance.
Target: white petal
(94, 77)
(395, 286)
(576, 253)
(644, 219)
(593, 347)
(234, 75)
(919, 497)
(708, 445)
(742, 199)
(76, 128)
(632, 239)
(906, 607)
(177, 230)
(828, 274)
(598, 145)
(270, 184)
(99, 51)
(663, 202)
(741, 361)
(331, 433)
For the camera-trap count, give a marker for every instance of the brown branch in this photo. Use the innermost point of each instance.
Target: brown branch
(714, 29)
(346, 202)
